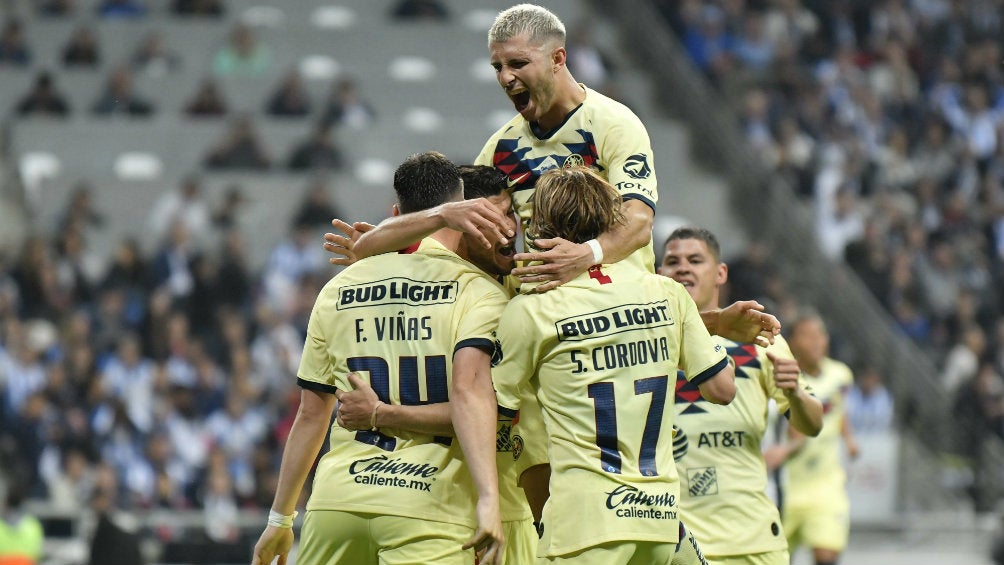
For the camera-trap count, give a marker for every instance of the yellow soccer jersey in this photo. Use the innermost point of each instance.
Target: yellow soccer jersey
(814, 474)
(723, 479)
(397, 320)
(602, 351)
(601, 133)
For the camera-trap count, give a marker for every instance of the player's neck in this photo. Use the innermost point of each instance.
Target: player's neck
(568, 97)
(450, 239)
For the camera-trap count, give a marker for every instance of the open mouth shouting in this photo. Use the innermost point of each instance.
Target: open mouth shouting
(521, 100)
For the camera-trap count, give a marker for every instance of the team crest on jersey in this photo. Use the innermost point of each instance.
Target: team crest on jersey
(636, 166)
(744, 357)
(688, 393)
(573, 160)
(702, 481)
(517, 447)
(504, 437)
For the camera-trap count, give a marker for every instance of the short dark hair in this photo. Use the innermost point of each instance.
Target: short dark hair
(425, 180)
(482, 181)
(699, 234)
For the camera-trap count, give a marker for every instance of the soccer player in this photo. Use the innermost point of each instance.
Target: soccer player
(815, 508)
(601, 354)
(356, 406)
(560, 123)
(419, 324)
(722, 474)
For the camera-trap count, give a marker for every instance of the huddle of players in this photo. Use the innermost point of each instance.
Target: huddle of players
(597, 352)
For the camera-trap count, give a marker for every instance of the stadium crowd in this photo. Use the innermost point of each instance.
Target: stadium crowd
(886, 117)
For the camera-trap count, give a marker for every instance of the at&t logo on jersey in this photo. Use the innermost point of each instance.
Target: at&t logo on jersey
(636, 166)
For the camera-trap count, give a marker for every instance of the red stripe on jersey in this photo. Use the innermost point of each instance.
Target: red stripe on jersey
(410, 249)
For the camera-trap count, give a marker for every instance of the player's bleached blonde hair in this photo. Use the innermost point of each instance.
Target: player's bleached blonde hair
(540, 23)
(574, 204)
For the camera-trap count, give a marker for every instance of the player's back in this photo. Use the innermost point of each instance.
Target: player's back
(605, 348)
(396, 320)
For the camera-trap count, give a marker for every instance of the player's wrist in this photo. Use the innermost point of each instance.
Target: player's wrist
(596, 250)
(282, 521)
(375, 416)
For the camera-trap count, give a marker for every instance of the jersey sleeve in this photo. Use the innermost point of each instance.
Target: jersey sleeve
(529, 427)
(480, 308)
(486, 157)
(516, 353)
(316, 371)
(700, 357)
(626, 152)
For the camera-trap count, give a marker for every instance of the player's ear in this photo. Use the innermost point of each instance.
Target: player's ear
(558, 57)
(722, 275)
(395, 210)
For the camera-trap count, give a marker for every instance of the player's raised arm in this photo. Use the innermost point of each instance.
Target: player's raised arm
(805, 412)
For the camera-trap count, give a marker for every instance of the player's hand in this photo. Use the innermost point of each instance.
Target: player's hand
(343, 245)
(274, 542)
(746, 322)
(786, 372)
(488, 541)
(355, 407)
(479, 218)
(852, 447)
(559, 262)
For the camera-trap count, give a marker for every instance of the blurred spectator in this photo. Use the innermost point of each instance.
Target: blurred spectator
(112, 543)
(963, 359)
(240, 148)
(346, 107)
(316, 152)
(869, 404)
(129, 378)
(290, 99)
(185, 204)
(56, 8)
(710, 44)
(838, 222)
(316, 207)
(153, 58)
(212, 8)
(13, 46)
(978, 413)
(586, 60)
(242, 55)
(420, 10)
(35, 275)
(226, 215)
(128, 272)
(72, 488)
(172, 266)
(235, 278)
(43, 99)
(124, 9)
(208, 101)
(119, 98)
(290, 260)
(21, 534)
(82, 49)
(220, 506)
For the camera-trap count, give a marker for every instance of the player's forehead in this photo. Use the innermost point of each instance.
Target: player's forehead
(687, 247)
(518, 47)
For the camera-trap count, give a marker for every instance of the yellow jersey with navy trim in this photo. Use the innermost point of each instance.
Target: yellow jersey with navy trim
(815, 474)
(723, 479)
(601, 353)
(600, 133)
(397, 320)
